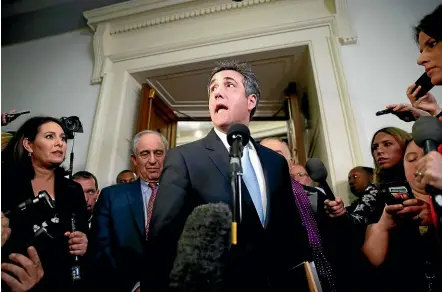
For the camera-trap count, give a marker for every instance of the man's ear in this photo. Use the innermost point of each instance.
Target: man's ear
(252, 101)
(27, 145)
(133, 159)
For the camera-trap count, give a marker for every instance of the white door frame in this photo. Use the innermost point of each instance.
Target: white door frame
(166, 33)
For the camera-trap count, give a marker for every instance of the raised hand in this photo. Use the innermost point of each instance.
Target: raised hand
(27, 271)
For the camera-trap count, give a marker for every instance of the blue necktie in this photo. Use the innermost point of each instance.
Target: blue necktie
(251, 181)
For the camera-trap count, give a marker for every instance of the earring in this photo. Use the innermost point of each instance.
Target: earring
(29, 154)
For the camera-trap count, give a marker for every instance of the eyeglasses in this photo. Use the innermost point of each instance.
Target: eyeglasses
(145, 154)
(301, 174)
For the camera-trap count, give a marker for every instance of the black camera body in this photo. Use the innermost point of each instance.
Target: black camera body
(72, 125)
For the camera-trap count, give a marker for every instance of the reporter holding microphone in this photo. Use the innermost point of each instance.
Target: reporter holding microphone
(388, 148)
(31, 164)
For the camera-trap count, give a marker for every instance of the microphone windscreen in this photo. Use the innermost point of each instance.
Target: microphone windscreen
(427, 128)
(203, 249)
(238, 129)
(316, 169)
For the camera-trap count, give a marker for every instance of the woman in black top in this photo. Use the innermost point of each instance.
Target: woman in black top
(388, 147)
(31, 164)
(403, 244)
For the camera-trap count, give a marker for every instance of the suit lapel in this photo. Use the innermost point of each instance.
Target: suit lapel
(135, 198)
(218, 153)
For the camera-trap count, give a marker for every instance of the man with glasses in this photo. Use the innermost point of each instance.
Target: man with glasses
(121, 222)
(299, 174)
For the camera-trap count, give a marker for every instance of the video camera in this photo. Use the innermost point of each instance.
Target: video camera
(72, 125)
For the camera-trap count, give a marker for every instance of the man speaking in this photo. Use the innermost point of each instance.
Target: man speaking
(271, 239)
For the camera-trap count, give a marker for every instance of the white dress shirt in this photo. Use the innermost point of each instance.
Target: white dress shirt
(256, 163)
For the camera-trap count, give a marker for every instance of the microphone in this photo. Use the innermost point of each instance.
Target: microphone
(203, 249)
(42, 196)
(75, 266)
(427, 133)
(238, 136)
(317, 171)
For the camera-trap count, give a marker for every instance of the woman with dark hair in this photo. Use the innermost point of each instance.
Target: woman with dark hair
(31, 164)
(428, 35)
(403, 242)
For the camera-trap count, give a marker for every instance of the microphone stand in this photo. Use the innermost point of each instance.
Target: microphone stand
(235, 182)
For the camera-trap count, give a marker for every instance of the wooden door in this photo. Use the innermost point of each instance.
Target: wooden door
(296, 125)
(157, 116)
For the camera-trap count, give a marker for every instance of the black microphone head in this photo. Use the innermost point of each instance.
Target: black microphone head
(427, 128)
(316, 169)
(238, 130)
(203, 249)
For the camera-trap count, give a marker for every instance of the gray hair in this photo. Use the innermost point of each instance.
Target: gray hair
(250, 81)
(145, 132)
(277, 139)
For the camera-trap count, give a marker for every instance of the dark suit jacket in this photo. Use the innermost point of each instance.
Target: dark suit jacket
(118, 237)
(197, 173)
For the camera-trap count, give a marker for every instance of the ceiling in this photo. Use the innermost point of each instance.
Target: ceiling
(25, 20)
(184, 88)
(191, 131)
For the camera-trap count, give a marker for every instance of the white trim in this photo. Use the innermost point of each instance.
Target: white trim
(301, 22)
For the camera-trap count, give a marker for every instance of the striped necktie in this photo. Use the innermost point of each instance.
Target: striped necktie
(154, 188)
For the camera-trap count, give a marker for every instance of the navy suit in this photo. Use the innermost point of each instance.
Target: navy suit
(197, 173)
(117, 240)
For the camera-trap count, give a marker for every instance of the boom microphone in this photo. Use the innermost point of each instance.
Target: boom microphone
(203, 249)
(317, 171)
(42, 196)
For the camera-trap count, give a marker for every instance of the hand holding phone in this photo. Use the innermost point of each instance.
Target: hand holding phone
(403, 114)
(427, 102)
(11, 116)
(424, 82)
(396, 192)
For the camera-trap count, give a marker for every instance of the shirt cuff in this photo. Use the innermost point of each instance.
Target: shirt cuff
(137, 285)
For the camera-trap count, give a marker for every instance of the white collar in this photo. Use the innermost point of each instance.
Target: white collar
(223, 137)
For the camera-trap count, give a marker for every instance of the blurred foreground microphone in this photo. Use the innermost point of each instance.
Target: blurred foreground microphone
(42, 196)
(317, 171)
(238, 136)
(203, 250)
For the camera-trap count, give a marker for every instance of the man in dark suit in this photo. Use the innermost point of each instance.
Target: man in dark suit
(271, 239)
(122, 216)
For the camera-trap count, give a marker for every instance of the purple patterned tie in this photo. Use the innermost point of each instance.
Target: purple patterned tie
(314, 237)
